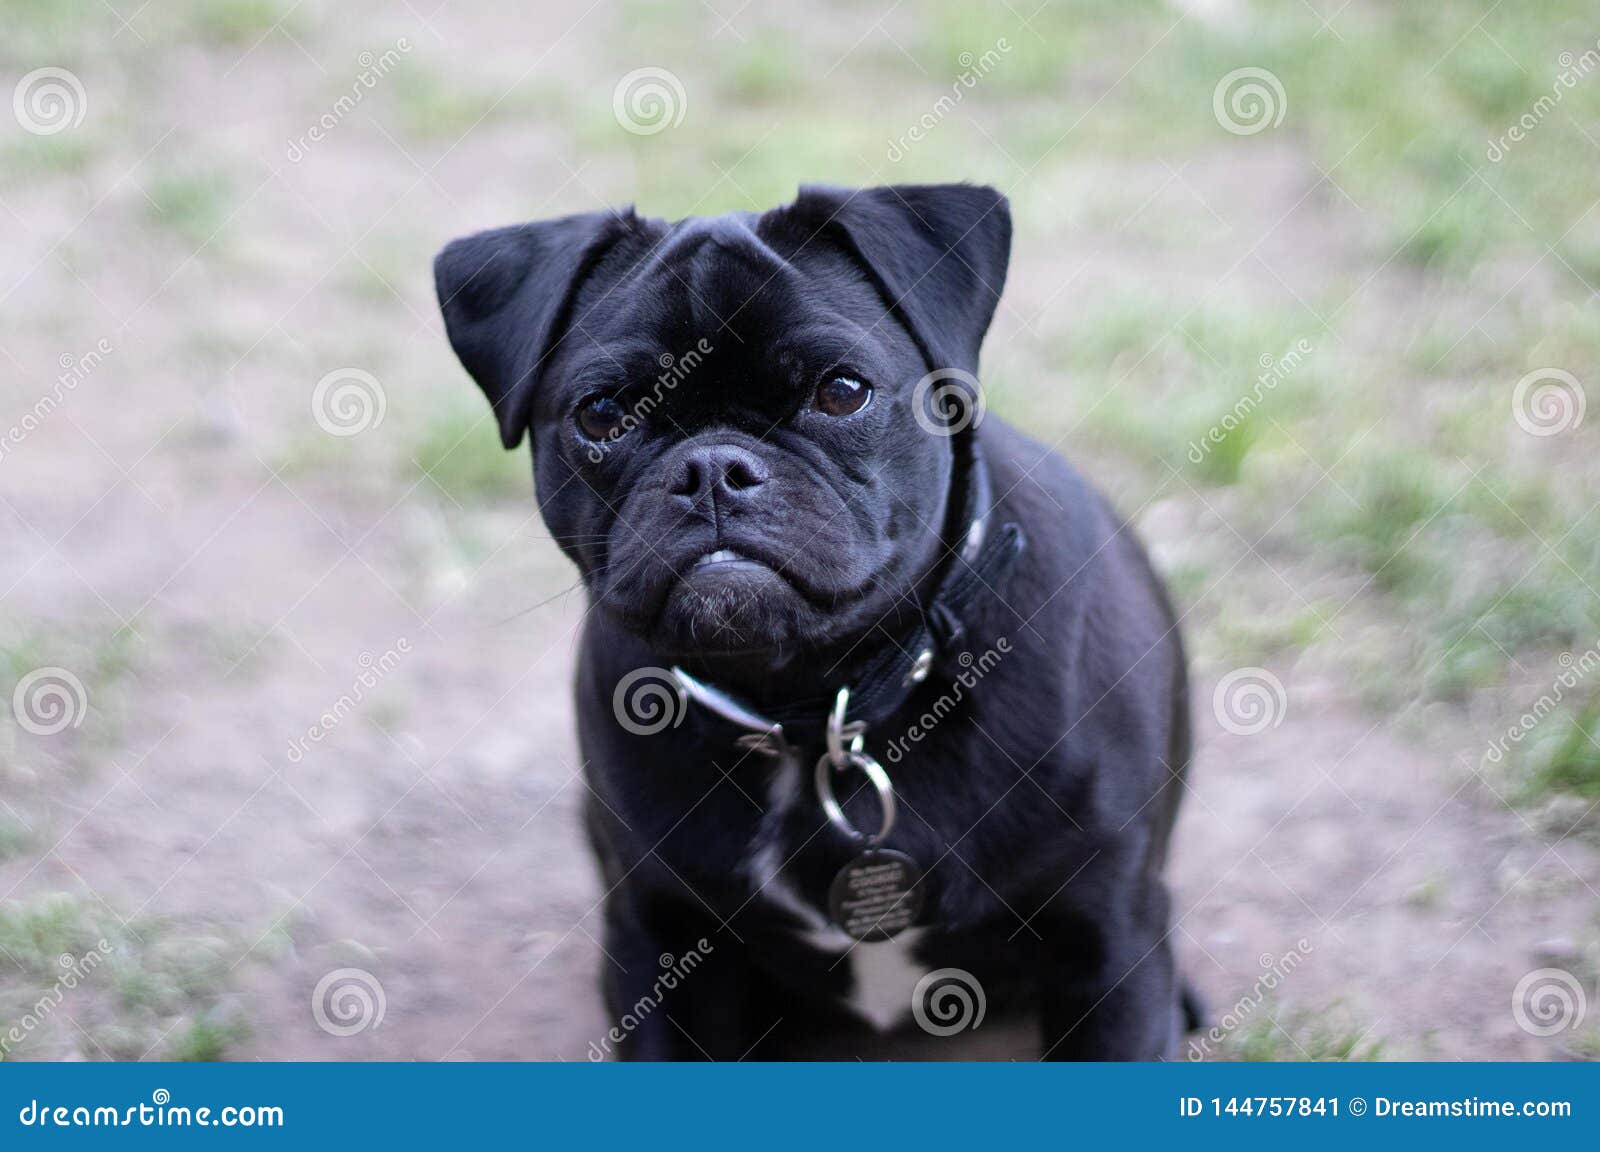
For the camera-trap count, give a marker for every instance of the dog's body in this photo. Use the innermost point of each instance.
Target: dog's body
(774, 543)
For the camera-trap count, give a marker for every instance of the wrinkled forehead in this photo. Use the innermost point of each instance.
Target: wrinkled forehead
(727, 279)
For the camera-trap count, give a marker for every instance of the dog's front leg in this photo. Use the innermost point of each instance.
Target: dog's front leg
(1108, 989)
(675, 984)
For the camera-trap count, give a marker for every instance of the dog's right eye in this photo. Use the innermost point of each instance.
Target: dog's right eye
(842, 395)
(602, 418)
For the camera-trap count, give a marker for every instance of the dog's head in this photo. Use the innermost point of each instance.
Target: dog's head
(735, 434)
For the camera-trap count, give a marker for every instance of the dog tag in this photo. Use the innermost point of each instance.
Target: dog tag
(876, 896)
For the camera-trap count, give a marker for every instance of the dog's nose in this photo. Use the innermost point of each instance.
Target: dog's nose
(717, 469)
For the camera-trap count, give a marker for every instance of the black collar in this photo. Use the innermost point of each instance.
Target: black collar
(978, 571)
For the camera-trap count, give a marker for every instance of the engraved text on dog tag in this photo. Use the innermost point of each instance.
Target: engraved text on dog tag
(876, 896)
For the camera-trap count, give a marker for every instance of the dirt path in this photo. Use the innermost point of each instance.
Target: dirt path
(218, 572)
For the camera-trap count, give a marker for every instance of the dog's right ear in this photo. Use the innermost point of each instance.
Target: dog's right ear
(937, 252)
(505, 296)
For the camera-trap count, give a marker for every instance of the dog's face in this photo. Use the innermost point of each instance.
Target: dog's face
(729, 435)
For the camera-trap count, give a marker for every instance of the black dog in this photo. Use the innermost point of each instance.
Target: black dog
(760, 439)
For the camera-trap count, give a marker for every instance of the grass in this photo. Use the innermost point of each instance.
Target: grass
(69, 32)
(385, 269)
(238, 24)
(459, 447)
(39, 30)
(1586, 1044)
(1378, 519)
(1427, 894)
(436, 105)
(1222, 454)
(1543, 612)
(36, 935)
(26, 159)
(207, 1040)
(1295, 1035)
(140, 988)
(1196, 388)
(99, 659)
(15, 837)
(449, 452)
(764, 68)
(192, 204)
(1563, 754)
(1258, 634)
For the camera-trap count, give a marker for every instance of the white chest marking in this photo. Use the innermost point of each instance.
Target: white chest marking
(883, 974)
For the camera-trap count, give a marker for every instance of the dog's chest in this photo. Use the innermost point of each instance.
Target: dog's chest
(883, 974)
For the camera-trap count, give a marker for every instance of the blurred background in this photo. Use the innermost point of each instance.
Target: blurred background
(286, 760)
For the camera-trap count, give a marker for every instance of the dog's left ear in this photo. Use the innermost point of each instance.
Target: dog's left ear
(505, 295)
(937, 252)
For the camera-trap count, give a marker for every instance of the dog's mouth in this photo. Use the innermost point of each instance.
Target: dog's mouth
(731, 582)
(728, 568)
(734, 599)
(743, 594)
(725, 561)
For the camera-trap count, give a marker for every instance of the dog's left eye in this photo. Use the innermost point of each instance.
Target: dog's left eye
(602, 418)
(842, 395)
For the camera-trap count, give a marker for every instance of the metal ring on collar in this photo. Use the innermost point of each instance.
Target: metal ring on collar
(880, 783)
